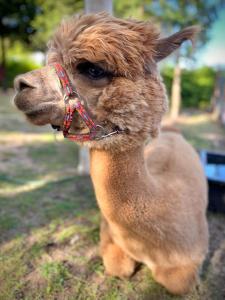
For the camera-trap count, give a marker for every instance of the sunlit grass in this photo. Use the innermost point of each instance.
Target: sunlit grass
(29, 138)
(28, 186)
(195, 119)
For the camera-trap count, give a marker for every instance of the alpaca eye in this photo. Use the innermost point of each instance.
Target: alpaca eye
(91, 70)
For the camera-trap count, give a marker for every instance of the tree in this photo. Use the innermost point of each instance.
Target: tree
(174, 15)
(50, 13)
(131, 8)
(218, 97)
(15, 23)
(92, 6)
(197, 85)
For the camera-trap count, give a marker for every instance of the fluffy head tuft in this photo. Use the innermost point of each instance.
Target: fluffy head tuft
(123, 45)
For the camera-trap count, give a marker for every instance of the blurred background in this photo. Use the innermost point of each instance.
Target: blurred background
(193, 79)
(49, 221)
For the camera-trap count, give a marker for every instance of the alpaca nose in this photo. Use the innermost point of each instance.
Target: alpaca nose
(21, 83)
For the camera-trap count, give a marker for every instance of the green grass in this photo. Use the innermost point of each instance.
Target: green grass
(56, 274)
(202, 131)
(49, 221)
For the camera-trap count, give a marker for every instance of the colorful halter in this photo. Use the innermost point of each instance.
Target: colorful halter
(72, 104)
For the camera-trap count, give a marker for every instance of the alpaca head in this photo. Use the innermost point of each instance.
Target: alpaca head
(112, 63)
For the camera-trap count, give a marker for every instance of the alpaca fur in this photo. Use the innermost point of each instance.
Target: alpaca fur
(150, 186)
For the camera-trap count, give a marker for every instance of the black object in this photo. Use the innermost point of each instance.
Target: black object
(214, 166)
(56, 127)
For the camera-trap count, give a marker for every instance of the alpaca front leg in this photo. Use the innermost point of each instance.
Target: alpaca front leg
(116, 262)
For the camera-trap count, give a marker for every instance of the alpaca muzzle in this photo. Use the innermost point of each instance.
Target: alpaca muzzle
(73, 103)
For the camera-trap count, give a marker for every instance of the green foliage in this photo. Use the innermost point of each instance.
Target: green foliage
(167, 74)
(15, 24)
(17, 50)
(51, 13)
(20, 19)
(16, 17)
(173, 15)
(130, 8)
(32, 22)
(15, 68)
(196, 86)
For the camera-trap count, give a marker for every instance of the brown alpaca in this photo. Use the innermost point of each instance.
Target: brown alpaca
(152, 197)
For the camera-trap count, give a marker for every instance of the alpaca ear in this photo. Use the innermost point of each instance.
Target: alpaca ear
(166, 46)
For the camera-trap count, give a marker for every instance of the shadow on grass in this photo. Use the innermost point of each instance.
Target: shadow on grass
(38, 183)
(66, 198)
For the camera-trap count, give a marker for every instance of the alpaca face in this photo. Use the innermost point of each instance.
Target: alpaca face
(112, 65)
(39, 96)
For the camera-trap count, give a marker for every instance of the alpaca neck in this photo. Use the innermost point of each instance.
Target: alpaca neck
(119, 178)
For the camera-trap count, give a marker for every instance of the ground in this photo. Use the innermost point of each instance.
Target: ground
(49, 221)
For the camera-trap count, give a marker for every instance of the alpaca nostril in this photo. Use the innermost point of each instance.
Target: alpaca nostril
(21, 84)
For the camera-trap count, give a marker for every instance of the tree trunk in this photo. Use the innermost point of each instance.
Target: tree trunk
(218, 98)
(92, 6)
(3, 64)
(3, 52)
(176, 91)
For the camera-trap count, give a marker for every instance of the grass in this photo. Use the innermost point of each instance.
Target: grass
(49, 221)
(201, 130)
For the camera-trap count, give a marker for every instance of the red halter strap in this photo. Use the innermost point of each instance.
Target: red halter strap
(73, 103)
